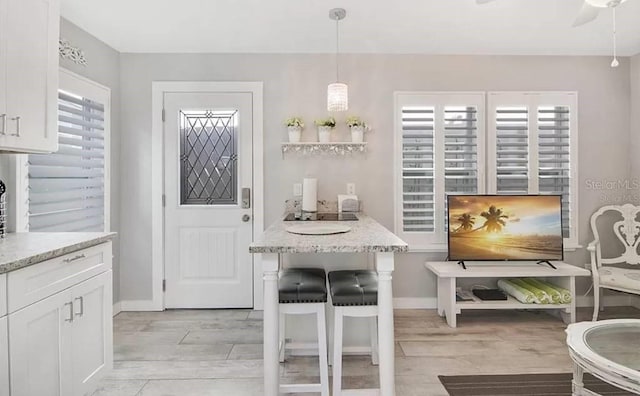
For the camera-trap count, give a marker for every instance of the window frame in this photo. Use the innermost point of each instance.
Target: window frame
(486, 147)
(82, 86)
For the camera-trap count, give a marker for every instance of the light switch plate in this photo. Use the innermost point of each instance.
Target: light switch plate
(351, 188)
(297, 189)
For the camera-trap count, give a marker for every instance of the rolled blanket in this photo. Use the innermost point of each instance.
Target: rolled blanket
(556, 297)
(541, 295)
(565, 295)
(521, 294)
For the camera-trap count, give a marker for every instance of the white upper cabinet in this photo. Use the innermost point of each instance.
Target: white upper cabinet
(29, 32)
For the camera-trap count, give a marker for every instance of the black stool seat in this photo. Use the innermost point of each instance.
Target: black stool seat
(354, 287)
(303, 285)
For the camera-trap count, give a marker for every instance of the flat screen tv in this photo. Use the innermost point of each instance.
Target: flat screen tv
(505, 227)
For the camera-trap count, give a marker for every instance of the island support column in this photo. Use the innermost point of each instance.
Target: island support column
(270, 268)
(384, 266)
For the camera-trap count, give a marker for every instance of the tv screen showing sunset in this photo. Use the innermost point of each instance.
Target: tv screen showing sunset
(505, 227)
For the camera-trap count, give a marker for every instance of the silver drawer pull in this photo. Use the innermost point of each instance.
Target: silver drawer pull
(70, 304)
(4, 124)
(17, 120)
(81, 299)
(78, 257)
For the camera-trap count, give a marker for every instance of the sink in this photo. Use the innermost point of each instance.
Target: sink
(318, 229)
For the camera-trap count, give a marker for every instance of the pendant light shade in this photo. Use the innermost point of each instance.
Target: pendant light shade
(337, 97)
(337, 92)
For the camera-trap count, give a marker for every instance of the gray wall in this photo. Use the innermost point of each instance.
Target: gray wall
(103, 67)
(634, 135)
(296, 85)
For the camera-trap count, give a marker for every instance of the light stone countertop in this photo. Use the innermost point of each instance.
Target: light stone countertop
(19, 250)
(366, 235)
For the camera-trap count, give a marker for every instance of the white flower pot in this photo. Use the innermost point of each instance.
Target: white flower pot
(357, 134)
(324, 134)
(294, 134)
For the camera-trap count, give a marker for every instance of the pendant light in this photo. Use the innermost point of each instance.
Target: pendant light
(337, 92)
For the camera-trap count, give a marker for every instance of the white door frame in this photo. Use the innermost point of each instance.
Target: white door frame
(159, 88)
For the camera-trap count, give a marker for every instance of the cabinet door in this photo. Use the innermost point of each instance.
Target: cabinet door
(3, 67)
(32, 31)
(40, 335)
(92, 348)
(4, 357)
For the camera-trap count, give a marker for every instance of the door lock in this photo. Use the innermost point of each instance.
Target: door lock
(246, 218)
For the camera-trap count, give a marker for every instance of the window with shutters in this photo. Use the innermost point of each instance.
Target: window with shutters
(532, 148)
(68, 189)
(442, 148)
(439, 142)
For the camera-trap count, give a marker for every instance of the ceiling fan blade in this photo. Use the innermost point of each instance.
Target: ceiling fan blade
(587, 14)
(483, 1)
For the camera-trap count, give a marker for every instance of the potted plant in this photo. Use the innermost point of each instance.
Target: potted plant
(325, 126)
(358, 127)
(294, 127)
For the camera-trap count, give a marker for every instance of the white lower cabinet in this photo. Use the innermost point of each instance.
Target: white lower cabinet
(4, 357)
(40, 334)
(62, 345)
(92, 333)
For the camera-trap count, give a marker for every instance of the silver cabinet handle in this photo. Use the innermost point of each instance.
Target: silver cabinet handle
(70, 304)
(81, 299)
(17, 120)
(78, 257)
(4, 124)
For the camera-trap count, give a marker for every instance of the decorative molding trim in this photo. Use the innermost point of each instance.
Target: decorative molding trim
(337, 148)
(74, 54)
(415, 303)
(139, 306)
(117, 308)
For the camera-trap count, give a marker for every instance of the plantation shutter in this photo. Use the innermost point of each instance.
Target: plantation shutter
(512, 149)
(441, 146)
(418, 169)
(532, 148)
(554, 157)
(67, 188)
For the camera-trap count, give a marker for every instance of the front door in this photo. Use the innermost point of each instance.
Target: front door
(208, 223)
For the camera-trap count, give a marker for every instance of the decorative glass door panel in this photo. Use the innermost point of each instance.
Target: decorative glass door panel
(208, 157)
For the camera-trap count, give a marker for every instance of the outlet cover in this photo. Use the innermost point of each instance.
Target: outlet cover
(351, 188)
(297, 189)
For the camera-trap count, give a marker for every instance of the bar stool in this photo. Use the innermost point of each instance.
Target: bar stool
(354, 293)
(303, 291)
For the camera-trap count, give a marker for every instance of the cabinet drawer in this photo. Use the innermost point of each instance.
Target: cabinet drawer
(3, 295)
(31, 284)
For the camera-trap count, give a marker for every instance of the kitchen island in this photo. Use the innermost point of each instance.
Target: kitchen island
(366, 236)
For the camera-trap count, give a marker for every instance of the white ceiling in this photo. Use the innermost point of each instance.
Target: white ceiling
(503, 27)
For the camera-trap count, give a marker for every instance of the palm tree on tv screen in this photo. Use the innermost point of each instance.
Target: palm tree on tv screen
(466, 222)
(494, 219)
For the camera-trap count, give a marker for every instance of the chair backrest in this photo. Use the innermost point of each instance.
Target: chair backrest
(626, 230)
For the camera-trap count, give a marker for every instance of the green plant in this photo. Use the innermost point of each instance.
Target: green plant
(330, 122)
(294, 122)
(356, 121)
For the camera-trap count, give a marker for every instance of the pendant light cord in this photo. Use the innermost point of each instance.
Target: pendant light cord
(337, 49)
(615, 62)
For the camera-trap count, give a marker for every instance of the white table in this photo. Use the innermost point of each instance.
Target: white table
(609, 350)
(449, 271)
(366, 236)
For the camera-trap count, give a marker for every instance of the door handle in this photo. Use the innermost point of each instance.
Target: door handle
(17, 120)
(81, 299)
(4, 124)
(246, 218)
(78, 257)
(70, 304)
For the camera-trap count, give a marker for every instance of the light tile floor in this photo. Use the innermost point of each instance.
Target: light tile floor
(219, 352)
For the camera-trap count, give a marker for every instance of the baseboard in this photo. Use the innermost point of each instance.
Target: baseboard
(415, 303)
(609, 301)
(138, 305)
(117, 308)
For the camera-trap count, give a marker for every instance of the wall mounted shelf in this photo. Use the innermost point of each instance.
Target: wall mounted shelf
(337, 148)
